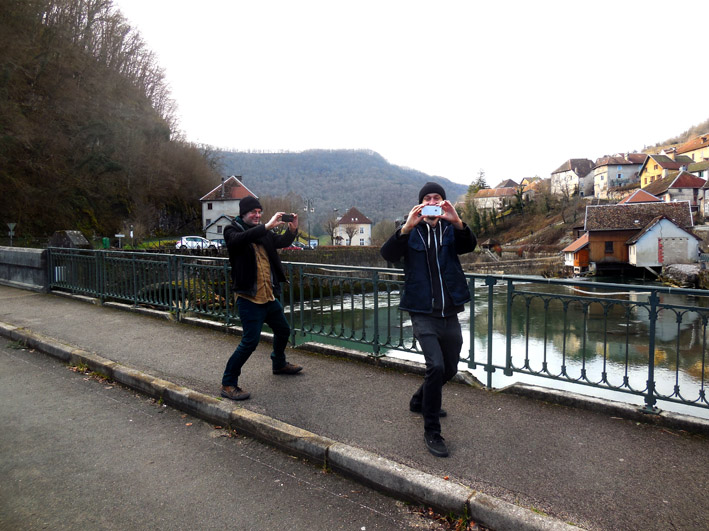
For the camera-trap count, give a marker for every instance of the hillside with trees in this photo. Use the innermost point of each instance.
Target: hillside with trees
(335, 179)
(87, 130)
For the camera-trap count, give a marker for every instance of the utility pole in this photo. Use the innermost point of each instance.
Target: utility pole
(309, 208)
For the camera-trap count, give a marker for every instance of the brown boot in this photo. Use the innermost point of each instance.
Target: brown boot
(288, 368)
(234, 393)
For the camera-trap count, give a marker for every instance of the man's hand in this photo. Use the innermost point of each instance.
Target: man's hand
(413, 219)
(450, 214)
(293, 225)
(276, 221)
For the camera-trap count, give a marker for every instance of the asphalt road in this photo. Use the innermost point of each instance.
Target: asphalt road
(78, 453)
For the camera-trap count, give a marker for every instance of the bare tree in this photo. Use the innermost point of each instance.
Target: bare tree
(350, 230)
(330, 227)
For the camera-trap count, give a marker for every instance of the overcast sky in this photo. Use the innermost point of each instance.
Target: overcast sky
(514, 88)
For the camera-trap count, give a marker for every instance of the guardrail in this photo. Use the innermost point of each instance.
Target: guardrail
(650, 342)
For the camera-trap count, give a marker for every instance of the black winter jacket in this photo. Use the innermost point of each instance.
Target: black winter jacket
(239, 236)
(419, 280)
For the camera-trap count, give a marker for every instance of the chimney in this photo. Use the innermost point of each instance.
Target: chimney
(222, 191)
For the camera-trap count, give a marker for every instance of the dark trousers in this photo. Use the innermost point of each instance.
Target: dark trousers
(253, 316)
(441, 340)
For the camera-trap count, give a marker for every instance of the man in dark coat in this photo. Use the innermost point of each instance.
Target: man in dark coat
(256, 274)
(435, 291)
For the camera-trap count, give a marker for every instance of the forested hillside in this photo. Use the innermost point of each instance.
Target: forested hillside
(335, 179)
(87, 139)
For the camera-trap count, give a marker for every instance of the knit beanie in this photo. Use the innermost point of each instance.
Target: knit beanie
(247, 204)
(431, 188)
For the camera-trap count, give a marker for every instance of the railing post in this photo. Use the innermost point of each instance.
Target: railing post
(489, 368)
(291, 297)
(471, 326)
(227, 292)
(101, 275)
(508, 331)
(302, 299)
(375, 339)
(134, 279)
(650, 399)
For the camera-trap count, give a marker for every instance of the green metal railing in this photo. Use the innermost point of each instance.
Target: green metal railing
(647, 341)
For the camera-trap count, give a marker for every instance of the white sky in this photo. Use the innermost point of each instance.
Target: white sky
(514, 88)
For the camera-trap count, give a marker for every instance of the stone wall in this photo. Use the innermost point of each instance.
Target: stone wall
(341, 255)
(24, 268)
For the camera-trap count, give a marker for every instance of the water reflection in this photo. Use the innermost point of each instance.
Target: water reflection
(573, 333)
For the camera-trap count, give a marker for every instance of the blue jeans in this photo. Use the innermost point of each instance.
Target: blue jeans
(441, 340)
(253, 316)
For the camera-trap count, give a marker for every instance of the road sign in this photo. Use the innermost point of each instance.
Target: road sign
(12, 226)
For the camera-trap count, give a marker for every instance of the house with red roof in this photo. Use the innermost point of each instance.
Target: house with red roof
(221, 205)
(353, 228)
(696, 148)
(616, 172)
(640, 196)
(678, 186)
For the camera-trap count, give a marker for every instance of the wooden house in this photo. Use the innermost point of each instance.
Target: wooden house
(611, 228)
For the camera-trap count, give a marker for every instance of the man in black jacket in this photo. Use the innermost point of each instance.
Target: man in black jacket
(257, 273)
(435, 291)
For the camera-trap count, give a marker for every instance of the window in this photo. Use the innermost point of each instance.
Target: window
(208, 221)
(361, 241)
(219, 229)
(620, 175)
(361, 230)
(209, 206)
(609, 247)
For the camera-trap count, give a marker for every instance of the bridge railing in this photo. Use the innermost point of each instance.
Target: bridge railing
(647, 341)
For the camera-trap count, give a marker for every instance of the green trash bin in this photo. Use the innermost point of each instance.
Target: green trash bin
(106, 243)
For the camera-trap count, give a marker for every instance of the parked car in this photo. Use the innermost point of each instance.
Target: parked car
(196, 242)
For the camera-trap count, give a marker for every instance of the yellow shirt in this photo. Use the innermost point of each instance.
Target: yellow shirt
(264, 288)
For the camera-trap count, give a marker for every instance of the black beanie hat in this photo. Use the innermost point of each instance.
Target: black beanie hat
(431, 188)
(247, 204)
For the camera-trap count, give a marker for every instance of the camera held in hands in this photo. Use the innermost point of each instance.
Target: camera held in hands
(431, 210)
(287, 218)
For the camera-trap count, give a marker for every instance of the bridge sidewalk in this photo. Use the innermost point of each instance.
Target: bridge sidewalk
(589, 468)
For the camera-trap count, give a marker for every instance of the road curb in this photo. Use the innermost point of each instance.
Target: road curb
(360, 465)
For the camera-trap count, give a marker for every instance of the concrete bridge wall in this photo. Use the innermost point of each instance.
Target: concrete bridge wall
(24, 268)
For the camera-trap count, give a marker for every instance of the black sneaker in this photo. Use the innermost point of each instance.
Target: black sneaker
(288, 368)
(234, 393)
(417, 409)
(435, 444)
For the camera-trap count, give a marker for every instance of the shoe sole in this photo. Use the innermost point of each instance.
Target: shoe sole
(240, 397)
(288, 372)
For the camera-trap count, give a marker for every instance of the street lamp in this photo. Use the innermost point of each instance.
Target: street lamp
(309, 208)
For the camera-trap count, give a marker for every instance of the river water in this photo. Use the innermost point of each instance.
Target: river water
(610, 338)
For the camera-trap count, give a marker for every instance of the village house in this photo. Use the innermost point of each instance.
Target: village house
(656, 167)
(508, 183)
(353, 228)
(575, 176)
(696, 149)
(616, 172)
(221, 205)
(647, 234)
(640, 196)
(700, 169)
(678, 186)
(495, 199)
